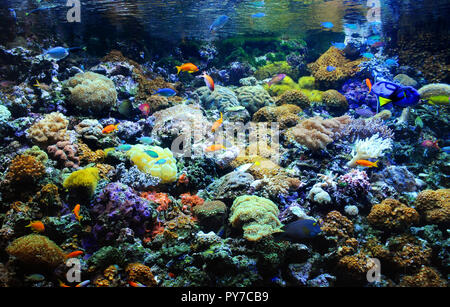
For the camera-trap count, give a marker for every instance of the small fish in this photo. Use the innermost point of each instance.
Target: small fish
(160, 161)
(418, 122)
(124, 147)
(367, 163)
(188, 67)
(446, 149)
(214, 147)
(36, 226)
(146, 140)
(331, 68)
(431, 144)
(152, 153)
(276, 79)
(35, 277)
(42, 8)
(245, 167)
(391, 62)
(110, 128)
(218, 23)
(74, 254)
(301, 229)
(6, 83)
(339, 46)
(171, 275)
(368, 55)
(375, 37)
(377, 44)
(42, 86)
(83, 284)
(136, 284)
(165, 92)
(59, 53)
(217, 124)
(142, 54)
(76, 212)
(63, 285)
(145, 109)
(351, 26)
(369, 85)
(13, 14)
(209, 82)
(327, 25)
(258, 15)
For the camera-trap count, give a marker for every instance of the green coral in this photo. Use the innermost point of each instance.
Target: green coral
(253, 97)
(36, 152)
(258, 216)
(271, 69)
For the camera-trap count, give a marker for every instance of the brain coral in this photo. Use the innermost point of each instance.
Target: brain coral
(434, 206)
(253, 97)
(285, 114)
(49, 130)
(220, 99)
(294, 97)
(91, 92)
(392, 215)
(316, 133)
(36, 250)
(332, 79)
(257, 216)
(334, 100)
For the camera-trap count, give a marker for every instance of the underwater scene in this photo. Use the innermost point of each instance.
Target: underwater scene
(224, 143)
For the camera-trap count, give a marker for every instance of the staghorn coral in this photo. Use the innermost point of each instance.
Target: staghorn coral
(257, 216)
(316, 133)
(66, 153)
(253, 97)
(392, 215)
(295, 97)
(91, 92)
(36, 250)
(336, 58)
(49, 130)
(434, 206)
(141, 273)
(24, 168)
(372, 148)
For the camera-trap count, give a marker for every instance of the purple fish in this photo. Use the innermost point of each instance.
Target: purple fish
(276, 79)
(364, 112)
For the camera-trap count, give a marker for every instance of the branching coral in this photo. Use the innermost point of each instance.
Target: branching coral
(392, 215)
(434, 206)
(257, 216)
(49, 130)
(66, 153)
(25, 168)
(370, 148)
(316, 133)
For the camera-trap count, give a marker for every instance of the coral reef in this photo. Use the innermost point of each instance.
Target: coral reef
(25, 168)
(49, 130)
(253, 98)
(434, 206)
(295, 97)
(66, 153)
(392, 215)
(372, 148)
(85, 180)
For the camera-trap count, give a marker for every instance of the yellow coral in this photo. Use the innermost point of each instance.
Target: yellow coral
(392, 215)
(434, 206)
(163, 165)
(85, 179)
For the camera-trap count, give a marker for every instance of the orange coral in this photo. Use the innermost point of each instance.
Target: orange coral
(355, 266)
(24, 168)
(426, 277)
(160, 198)
(191, 200)
(89, 156)
(139, 272)
(104, 170)
(48, 196)
(434, 206)
(407, 253)
(335, 224)
(392, 215)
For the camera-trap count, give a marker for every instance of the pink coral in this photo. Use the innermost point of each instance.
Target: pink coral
(355, 179)
(66, 153)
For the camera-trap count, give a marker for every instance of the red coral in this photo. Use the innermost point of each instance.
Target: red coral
(160, 198)
(191, 200)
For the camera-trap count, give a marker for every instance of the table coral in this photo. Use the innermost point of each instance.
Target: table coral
(316, 133)
(66, 153)
(391, 215)
(49, 130)
(24, 168)
(36, 250)
(344, 68)
(434, 206)
(257, 216)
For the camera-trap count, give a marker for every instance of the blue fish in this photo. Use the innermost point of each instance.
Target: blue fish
(339, 46)
(257, 3)
(301, 229)
(368, 55)
(351, 26)
(13, 14)
(165, 92)
(327, 24)
(41, 8)
(146, 140)
(331, 68)
(375, 37)
(151, 153)
(446, 149)
(59, 53)
(124, 147)
(161, 161)
(258, 15)
(391, 62)
(218, 23)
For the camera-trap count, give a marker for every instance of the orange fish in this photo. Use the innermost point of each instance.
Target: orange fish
(76, 211)
(171, 275)
(369, 85)
(36, 226)
(74, 254)
(208, 81)
(136, 284)
(145, 109)
(110, 128)
(61, 284)
(218, 123)
(189, 67)
(367, 163)
(214, 147)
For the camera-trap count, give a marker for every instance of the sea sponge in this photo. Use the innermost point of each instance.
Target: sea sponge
(253, 97)
(141, 273)
(25, 168)
(392, 215)
(167, 170)
(36, 250)
(49, 130)
(316, 133)
(84, 179)
(91, 92)
(344, 68)
(434, 206)
(257, 216)
(334, 101)
(271, 69)
(295, 97)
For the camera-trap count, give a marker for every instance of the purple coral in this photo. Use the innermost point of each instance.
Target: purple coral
(355, 180)
(365, 128)
(118, 207)
(357, 94)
